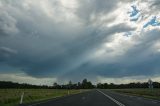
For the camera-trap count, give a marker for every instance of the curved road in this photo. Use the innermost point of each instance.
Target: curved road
(99, 98)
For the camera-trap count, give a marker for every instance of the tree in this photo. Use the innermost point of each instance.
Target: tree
(86, 84)
(56, 86)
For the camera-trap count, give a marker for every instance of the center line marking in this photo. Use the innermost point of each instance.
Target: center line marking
(114, 100)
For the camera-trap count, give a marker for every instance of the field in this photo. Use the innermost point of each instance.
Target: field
(147, 93)
(11, 97)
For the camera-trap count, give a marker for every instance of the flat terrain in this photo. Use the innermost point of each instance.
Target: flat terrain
(11, 97)
(99, 98)
(147, 93)
(52, 97)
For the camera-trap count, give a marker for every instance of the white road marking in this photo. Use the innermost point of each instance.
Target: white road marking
(154, 102)
(139, 98)
(45, 101)
(40, 103)
(83, 98)
(114, 100)
(55, 98)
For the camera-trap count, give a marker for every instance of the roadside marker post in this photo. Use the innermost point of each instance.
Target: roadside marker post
(21, 100)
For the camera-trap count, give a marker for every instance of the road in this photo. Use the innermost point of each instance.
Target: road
(99, 98)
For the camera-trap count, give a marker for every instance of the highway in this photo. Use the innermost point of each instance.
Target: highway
(98, 98)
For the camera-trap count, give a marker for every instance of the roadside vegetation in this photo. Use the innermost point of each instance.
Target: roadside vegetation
(10, 92)
(11, 97)
(144, 92)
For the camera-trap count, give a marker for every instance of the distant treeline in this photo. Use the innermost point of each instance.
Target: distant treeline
(9, 84)
(80, 85)
(130, 85)
(84, 85)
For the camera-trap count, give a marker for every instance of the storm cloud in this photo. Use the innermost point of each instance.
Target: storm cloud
(79, 39)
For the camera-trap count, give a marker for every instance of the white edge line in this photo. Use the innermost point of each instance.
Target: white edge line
(45, 101)
(56, 98)
(114, 100)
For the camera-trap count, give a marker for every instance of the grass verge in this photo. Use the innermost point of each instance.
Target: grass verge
(11, 97)
(147, 93)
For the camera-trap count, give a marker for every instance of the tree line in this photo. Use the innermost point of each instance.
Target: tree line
(80, 85)
(129, 85)
(85, 84)
(9, 84)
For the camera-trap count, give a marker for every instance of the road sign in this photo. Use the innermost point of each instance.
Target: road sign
(150, 83)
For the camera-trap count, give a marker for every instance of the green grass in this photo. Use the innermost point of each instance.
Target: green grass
(147, 93)
(11, 97)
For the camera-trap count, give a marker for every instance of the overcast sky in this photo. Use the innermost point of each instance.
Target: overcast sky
(46, 41)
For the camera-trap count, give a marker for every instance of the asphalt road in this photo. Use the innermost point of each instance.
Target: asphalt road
(99, 98)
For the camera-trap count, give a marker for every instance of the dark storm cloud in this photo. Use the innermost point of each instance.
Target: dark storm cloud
(57, 58)
(142, 59)
(49, 39)
(6, 53)
(155, 4)
(7, 24)
(89, 8)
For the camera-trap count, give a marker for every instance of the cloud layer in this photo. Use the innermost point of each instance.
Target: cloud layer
(80, 38)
